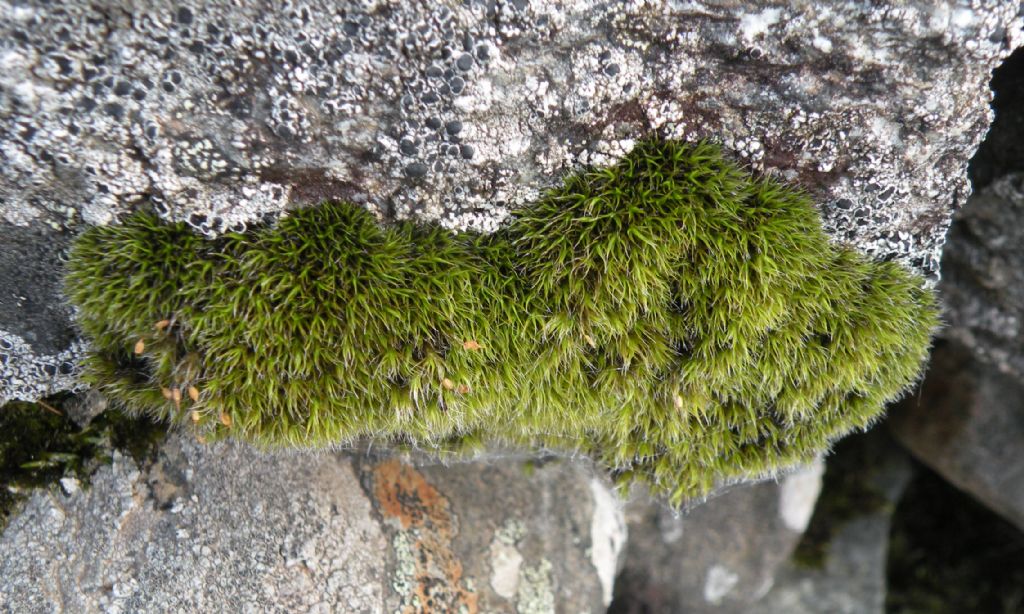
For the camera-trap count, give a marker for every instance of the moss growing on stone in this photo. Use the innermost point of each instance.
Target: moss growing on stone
(40, 445)
(672, 317)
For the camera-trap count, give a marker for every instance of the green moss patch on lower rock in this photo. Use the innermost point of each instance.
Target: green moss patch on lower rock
(40, 445)
(673, 317)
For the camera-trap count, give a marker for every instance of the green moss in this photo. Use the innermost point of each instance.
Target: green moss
(40, 445)
(672, 317)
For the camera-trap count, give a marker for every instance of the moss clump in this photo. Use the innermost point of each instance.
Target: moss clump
(672, 317)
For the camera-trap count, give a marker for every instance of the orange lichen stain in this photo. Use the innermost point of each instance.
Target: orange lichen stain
(405, 497)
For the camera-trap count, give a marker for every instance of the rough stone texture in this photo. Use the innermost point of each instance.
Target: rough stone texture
(968, 425)
(983, 276)
(225, 528)
(226, 114)
(852, 578)
(206, 529)
(496, 537)
(720, 556)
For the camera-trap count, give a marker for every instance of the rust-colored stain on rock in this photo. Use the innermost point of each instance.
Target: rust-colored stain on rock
(404, 497)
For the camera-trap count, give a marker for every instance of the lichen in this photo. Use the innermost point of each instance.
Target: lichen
(672, 317)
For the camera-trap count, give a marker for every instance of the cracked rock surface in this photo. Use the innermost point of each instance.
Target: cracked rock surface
(223, 114)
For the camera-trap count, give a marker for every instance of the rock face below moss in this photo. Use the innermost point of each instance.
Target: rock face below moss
(718, 556)
(223, 527)
(222, 115)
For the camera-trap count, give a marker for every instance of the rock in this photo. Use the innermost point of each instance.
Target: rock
(968, 425)
(983, 276)
(38, 347)
(222, 116)
(840, 565)
(950, 553)
(968, 422)
(758, 549)
(224, 527)
(719, 556)
(496, 537)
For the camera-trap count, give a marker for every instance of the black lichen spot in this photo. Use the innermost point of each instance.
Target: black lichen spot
(467, 152)
(184, 15)
(434, 71)
(433, 123)
(456, 85)
(465, 62)
(64, 65)
(430, 98)
(408, 147)
(611, 70)
(114, 110)
(453, 127)
(416, 169)
(122, 88)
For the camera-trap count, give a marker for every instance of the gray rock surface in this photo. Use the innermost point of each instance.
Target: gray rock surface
(757, 549)
(968, 425)
(856, 507)
(224, 114)
(719, 556)
(225, 528)
(983, 276)
(968, 421)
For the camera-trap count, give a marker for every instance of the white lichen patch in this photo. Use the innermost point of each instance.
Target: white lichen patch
(506, 562)
(536, 593)
(607, 536)
(718, 583)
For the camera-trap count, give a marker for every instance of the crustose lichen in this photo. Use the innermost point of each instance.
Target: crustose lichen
(672, 317)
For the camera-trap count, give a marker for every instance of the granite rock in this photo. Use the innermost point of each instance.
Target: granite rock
(224, 114)
(840, 565)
